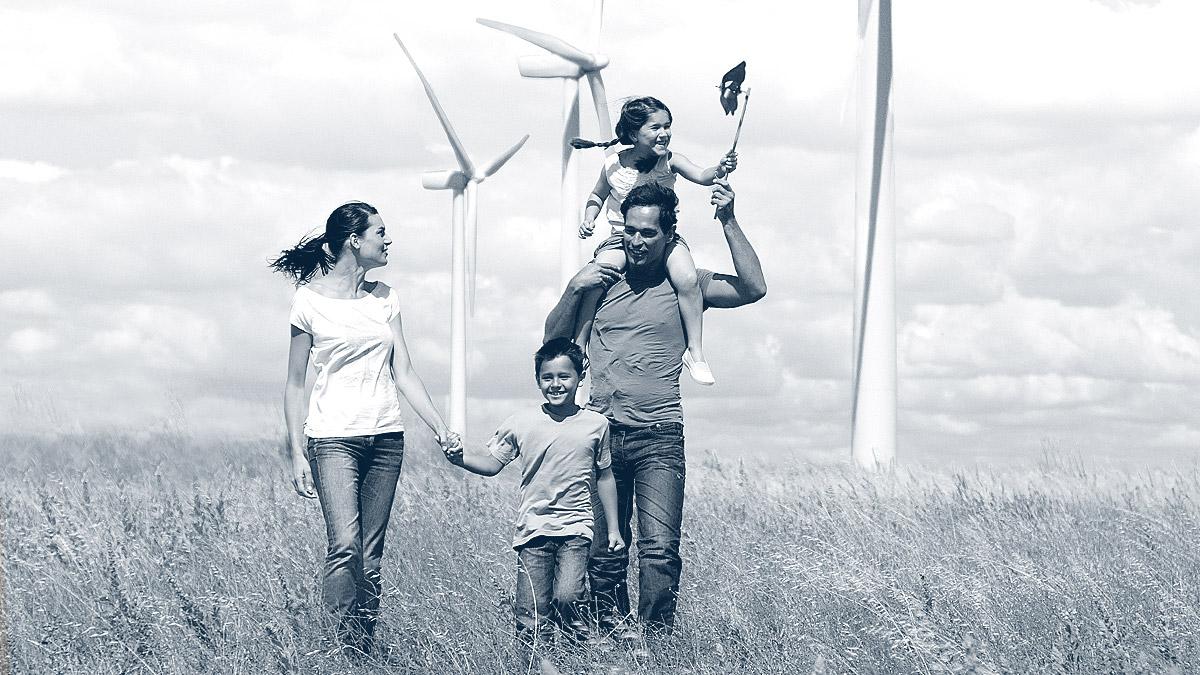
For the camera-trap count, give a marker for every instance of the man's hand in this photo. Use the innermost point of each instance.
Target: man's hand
(722, 197)
(595, 275)
(302, 480)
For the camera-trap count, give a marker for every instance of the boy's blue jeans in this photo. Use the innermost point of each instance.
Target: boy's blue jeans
(550, 587)
(355, 478)
(648, 465)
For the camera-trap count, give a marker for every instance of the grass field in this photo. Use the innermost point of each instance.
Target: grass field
(159, 553)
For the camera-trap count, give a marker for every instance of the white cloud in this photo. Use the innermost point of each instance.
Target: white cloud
(29, 341)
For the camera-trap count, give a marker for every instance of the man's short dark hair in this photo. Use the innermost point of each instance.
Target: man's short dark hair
(559, 346)
(653, 194)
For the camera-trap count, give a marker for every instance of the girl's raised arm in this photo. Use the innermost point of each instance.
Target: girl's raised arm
(684, 167)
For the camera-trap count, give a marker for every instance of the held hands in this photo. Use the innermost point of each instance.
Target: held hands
(451, 446)
(587, 228)
(302, 480)
(615, 542)
(722, 197)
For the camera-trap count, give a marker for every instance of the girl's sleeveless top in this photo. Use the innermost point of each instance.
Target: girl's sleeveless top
(622, 179)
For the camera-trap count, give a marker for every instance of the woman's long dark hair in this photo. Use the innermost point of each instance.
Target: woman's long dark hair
(634, 114)
(314, 252)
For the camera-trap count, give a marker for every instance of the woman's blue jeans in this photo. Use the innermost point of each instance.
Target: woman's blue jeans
(355, 477)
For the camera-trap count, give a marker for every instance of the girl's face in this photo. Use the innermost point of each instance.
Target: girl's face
(373, 243)
(655, 135)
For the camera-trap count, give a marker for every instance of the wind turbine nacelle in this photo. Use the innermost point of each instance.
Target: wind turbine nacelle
(444, 180)
(548, 65)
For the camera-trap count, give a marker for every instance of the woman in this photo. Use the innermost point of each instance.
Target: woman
(348, 446)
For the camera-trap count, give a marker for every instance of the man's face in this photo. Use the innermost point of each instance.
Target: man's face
(645, 242)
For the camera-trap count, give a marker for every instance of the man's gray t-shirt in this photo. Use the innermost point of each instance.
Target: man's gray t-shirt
(636, 351)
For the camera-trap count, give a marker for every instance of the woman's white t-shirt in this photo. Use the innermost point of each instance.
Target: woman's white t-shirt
(354, 392)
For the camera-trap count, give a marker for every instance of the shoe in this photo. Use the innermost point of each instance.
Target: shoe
(699, 370)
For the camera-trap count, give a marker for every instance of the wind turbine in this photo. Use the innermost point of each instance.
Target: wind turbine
(570, 64)
(873, 418)
(463, 183)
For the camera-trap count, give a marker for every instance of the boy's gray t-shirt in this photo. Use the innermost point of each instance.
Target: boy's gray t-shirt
(636, 350)
(558, 459)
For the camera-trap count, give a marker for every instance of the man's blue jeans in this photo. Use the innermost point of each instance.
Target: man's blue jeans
(648, 465)
(355, 478)
(550, 587)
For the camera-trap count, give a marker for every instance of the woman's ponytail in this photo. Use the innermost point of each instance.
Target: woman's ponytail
(583, 144)
(302, 261)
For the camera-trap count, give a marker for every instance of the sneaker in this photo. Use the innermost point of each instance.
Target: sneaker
(699, 370)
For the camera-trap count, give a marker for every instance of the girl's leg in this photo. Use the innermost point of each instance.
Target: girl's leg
(587, 308)
(681, 269)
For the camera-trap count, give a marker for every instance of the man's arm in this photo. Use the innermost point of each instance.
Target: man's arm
(560, 322)
(749, 285)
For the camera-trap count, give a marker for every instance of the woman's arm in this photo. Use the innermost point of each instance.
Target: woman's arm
(412, 387)
(294, 411)
(684, 167)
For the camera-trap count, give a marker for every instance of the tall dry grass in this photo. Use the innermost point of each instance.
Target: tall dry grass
(161, 553)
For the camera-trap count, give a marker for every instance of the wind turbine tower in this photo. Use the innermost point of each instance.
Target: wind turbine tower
(570, 64)
(463, 183)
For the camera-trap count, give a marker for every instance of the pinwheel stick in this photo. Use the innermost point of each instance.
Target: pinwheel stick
(721, 172)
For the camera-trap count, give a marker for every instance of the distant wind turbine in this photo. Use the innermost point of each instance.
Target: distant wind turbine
(873, 417)
(463, 182)
(571, 64)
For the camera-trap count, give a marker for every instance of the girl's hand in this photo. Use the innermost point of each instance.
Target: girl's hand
(302, 480)
(728, 163)
(587, 228)
(615, 542)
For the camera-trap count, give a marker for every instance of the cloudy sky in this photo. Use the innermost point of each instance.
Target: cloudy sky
(154, 155)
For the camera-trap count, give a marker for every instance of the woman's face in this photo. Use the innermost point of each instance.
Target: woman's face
(655, 135)
(373, 243)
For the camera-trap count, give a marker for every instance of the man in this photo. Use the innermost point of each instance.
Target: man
(636, 346)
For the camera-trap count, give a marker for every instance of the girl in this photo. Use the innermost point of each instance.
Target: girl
(645, 124)
(348, 447)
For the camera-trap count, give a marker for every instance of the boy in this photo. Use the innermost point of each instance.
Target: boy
(560, 444)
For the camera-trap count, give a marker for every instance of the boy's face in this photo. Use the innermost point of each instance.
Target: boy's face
(558, 380)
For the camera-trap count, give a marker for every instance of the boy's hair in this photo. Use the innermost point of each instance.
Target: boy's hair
(559, 346)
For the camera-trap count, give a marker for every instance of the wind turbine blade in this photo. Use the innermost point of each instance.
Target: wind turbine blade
(472, 237)
(548, 42)
(597, 23)
(503, 158)
(460, 151)
(600, 99)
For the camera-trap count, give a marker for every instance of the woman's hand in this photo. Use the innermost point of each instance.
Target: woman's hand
(302, 480)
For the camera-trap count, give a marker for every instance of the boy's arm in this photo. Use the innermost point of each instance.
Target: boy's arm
(476, 461)
(606, 487)
(684, 167)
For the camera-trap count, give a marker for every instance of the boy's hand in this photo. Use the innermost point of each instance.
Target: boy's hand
(451, 446)
(587, 228)
(615, 542)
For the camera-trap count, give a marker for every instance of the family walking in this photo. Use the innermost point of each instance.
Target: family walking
(634, 311)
